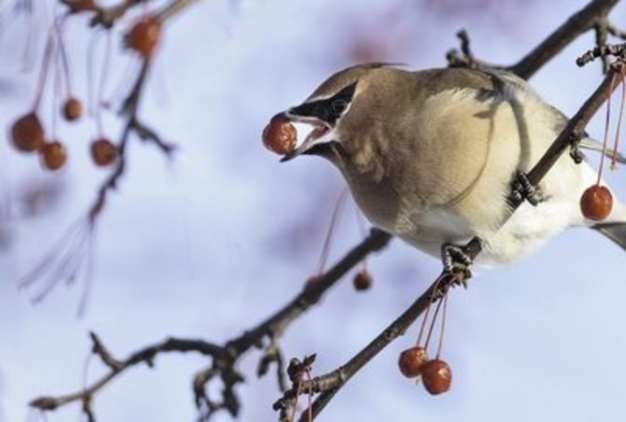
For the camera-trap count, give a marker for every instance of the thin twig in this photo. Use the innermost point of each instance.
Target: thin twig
(616, 32)
(173, 9)
(145, 355)
(592, 16)
(575, 26)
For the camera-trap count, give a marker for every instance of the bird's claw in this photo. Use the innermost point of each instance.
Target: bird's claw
(575, 154)
(524, 190)
(456, 270)
(454, 258)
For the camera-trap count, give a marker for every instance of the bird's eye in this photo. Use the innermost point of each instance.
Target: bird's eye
(338, 106)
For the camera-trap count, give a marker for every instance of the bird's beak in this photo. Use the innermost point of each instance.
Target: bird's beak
(320, 134)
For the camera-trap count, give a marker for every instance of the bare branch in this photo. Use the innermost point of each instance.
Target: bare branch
(575, 26)
(224, 357)
(145, 355)
(465, 57)
(616, 32)
(593, 16)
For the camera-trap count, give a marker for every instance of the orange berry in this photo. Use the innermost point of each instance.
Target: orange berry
(103, 152)
(27, 133)
(53, 155)
(144, 36)
(77, 6)
(280, 135)
(412, 360)
(72, 109)
(436, 376)
(596, 202)
(362, 280)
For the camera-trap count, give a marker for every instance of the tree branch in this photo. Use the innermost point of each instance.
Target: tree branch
(575, 26)
(145, 355)
(592, 16)
(224, 358)
(329, 384)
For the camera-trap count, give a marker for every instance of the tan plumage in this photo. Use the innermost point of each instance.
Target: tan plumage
(430, 156)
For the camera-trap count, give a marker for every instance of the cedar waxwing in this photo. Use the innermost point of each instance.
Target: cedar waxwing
(430, 157)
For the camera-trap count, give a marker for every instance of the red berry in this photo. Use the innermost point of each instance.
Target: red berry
(362, 280)
(596, 202)
(412, 360)
(77, 6)
(103, 152)
(72, 109)
(27, 133)
(280, 135)
(53, 155)
(436, 376)
(144, 36)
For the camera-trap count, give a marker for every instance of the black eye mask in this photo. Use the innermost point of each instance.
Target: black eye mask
(329, 109)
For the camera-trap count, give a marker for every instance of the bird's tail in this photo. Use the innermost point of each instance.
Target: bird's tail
(614, 231)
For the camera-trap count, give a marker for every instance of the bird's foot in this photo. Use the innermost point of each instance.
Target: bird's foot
(524, 190)
(574, 152)
(456, 263)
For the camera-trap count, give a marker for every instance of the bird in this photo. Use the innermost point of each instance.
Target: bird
(430, 156)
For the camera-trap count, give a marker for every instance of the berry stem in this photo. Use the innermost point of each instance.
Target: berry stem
(59, 27)
(27, 54)
(102, 83)
(432, 324)
(423, 326)
(337, 211)
(310, 397)
(363, 230)
(56, 94)
(443, 325)
(364, 266)
(619, 121)
(607, 122)
(292, 417)
(421, 333)
(43, 75)
(90, 74)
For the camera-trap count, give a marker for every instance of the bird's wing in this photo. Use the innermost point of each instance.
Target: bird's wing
(593, 145)
(614, 231)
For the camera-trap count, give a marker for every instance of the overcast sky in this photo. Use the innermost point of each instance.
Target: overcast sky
(210, 243)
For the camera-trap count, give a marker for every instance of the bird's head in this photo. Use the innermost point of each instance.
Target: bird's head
(325, 109)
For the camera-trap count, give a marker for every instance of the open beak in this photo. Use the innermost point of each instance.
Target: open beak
(315, 137)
